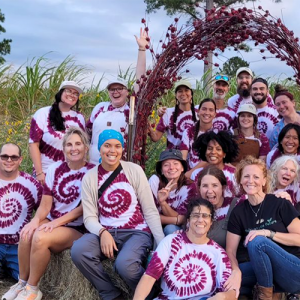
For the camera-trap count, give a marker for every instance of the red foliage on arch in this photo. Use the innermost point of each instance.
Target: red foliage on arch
(221, 28)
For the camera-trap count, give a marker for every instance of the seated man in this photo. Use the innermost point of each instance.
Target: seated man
(120, 217)
(19, 195)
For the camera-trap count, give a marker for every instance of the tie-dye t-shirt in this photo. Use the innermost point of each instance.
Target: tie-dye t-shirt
(177, 200)
(184, 121)
(50, 140)
(64, 185)
(119, 206)
(18, 199)
(188, 270)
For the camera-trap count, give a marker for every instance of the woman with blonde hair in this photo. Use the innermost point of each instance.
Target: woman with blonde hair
(285, 178)
(263, 237)
(58, 221)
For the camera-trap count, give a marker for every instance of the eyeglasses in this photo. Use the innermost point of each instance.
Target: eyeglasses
(119, 89)
(7, 157)
(202, 215)
(224, 77)
(70, 93)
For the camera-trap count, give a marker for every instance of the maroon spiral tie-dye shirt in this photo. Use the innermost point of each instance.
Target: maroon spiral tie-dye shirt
(50, 140)
(189, 271)
(64, 185)
(119, 206)
(184, 121)
(18, 199)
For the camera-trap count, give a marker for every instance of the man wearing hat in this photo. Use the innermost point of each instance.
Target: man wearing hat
(266, 111)
(224, 116)
(109, 115)
(244, 78)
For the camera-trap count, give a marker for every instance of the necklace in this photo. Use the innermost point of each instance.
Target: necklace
(255, 213)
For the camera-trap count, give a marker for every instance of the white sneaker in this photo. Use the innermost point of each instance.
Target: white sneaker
(13, 292)
(29, 294)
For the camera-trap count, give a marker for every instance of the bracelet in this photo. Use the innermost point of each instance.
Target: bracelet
(38, 174)
(177, 220)
(272, 233)
(142, 49)
(104, 229)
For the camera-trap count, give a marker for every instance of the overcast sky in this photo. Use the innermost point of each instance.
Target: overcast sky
(100, 33)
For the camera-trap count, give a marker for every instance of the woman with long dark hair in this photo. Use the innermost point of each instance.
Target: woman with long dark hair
(206, 114)
(176, 119)
(48, 127)
(288, 144)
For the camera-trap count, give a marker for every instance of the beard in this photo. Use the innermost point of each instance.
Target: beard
(245, 93)
(218, 97)
(259, 101)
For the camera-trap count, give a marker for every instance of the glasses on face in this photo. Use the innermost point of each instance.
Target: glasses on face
(118, 89)
(7, 157)
(204, 216)
(70, 93)
(224, 77)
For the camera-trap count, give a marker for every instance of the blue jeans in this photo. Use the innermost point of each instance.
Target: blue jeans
(171, 228)
(9, 259)
(271, 265)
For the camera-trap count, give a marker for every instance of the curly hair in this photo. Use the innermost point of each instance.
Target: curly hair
(282, 91)
(284, 131)
(223, 138)
(248, 161)
(277, 165)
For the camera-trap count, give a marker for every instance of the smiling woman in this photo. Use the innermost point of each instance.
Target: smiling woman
(288, 143)
(190, 265)
(48, 127)
(120, 214)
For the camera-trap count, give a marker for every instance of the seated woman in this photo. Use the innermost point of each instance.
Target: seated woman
(288, 144)
(263, 237)
(218, 149)
(171, 189)
(286, 107)
(176, 119)
(212, 187)
(206, 114)
(285, 178)
(190, 265)
(120, 214)
(250, 141)
(58, 220)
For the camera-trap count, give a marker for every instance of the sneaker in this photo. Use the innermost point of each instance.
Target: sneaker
(13, 292)
(29, 294)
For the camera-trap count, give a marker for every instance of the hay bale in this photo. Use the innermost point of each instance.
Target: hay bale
(63, 281)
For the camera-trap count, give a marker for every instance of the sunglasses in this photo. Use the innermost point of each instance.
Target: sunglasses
(224, 77)
(7, 157)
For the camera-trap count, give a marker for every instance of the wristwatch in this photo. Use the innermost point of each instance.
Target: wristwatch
(272, 233)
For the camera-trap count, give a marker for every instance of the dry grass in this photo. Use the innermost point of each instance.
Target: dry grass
(63, 281)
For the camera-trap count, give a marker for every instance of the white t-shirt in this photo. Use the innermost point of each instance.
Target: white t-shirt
(188, 270)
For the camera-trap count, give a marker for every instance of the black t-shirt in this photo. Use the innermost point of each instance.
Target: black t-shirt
(274, 214)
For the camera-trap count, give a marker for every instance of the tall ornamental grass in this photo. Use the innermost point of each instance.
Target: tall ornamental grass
(34, 84)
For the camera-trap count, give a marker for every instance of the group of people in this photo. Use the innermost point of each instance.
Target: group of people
(220, 213)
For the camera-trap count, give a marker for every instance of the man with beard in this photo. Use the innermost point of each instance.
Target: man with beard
(244, 78)
(266, 110)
